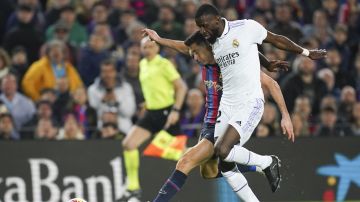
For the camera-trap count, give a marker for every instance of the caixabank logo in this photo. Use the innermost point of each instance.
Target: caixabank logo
(340, 177)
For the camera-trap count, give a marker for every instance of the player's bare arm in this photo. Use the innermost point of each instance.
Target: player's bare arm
(273, 65)
(277, 95)
(284, 43)
(174, 44)
(180, 92)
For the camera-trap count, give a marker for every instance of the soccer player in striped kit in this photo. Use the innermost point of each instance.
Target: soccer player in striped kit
(202, 153)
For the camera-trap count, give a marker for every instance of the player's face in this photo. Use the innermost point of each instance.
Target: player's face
(209, 27)
(202, 54)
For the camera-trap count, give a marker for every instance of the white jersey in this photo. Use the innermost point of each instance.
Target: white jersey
(236, 53)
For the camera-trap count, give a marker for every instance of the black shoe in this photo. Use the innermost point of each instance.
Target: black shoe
(131, 196)
(272, 173)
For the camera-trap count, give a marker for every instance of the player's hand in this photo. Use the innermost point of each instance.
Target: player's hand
(317, 54)
(151, 34)
(278, 65)
(287, 127)
(172, 119)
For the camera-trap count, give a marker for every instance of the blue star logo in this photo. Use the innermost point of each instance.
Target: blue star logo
(346, 170)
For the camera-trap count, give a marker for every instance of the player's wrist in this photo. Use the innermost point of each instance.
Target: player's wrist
(175, 109)
(305, 52)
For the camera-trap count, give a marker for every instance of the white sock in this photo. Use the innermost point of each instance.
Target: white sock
(243, 156)
(239, 185)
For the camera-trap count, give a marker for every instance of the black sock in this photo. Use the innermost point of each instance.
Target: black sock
(171, 186)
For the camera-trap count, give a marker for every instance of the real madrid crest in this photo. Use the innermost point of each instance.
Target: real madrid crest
(235, 43)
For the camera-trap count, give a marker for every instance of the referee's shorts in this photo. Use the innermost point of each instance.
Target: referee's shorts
(155, 120)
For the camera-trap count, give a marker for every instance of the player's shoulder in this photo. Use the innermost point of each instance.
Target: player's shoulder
(241, 24)
(236, 23)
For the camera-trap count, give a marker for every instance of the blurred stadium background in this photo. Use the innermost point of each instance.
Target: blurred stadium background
(60, 140)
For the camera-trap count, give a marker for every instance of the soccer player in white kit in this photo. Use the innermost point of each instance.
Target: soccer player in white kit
(234, 45)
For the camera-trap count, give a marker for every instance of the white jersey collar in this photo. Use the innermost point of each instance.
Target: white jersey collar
(226, 28)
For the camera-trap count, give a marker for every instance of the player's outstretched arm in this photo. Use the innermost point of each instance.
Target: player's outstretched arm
(274, 65)
(275, 91)
(174, 44)
(285, 43)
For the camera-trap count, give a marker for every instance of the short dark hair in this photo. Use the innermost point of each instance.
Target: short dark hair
(206, 9)
(109, 61)
(196, 38)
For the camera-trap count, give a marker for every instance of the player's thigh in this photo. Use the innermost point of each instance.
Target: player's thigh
(136, 136)
(221, 122)
(245, 120)
(209, 169)
(195, 156)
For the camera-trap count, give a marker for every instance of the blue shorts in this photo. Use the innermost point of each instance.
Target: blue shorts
(207, 132)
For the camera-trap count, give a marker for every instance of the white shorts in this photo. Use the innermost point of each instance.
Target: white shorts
(244, 118)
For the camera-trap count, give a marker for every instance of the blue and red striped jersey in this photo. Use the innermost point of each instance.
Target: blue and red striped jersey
(213, 83)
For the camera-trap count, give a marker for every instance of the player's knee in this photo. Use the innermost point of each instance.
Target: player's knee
(185, 164)
(208, 174)
(126, 145)
(222, 151)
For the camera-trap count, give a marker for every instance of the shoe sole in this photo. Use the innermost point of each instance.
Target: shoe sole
(278, 170)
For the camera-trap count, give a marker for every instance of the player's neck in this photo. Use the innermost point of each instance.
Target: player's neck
(222, 27)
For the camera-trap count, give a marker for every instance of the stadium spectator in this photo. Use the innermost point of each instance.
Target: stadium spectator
(355, 122)
(331, 8)
(300, 125)
(99, 15)
(19, 62)
(302, 116)
(38, 18)
(43, 111)
(85, 114)
(54, 10)
(330, 126)
(263, 8)
(111, 91)
(24, 34)
(72, 129)
(190, 26)
(304, 82)
(262, 131)
(134, 33)
(327, 76)
(340, 43)
(20, 107)
(193, 115)
(357, 76)
(61, 33)
(118, 7)
(45, 72)
(91, 57)
(7, 128)
(48, 94)
(342, 78)
(269, 120)
(347, 102)
(131, 75)
(110, 130)
(5, 64)
(77, 33)
(45, 130)
(319, 27)
(127, 18)
(193, 76)
(103, 29)
(166, 26)
(188, 9)
(284, 24)
(347, 10)
(63, 98)
(329, 101)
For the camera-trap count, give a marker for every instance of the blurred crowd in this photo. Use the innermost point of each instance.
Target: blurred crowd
(69, 68)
